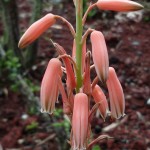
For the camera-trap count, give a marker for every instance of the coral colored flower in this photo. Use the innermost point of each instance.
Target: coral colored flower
(117, 101)
(99, 97)
(80, 121)
(118, 5)
(36, 29)
(50, 86)
(100, 55)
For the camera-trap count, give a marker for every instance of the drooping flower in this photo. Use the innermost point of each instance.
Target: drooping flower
(117, 101)
(99, 97)
(100, 55)
(36, 29)
(118, 5)
(50, 86)
(80, 121)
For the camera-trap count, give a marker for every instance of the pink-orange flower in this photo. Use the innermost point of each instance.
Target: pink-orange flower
(50, 86)
(117, 101)
(118, 5)
(80, 121)
(100, 55)
(36, 29)
(99, 97)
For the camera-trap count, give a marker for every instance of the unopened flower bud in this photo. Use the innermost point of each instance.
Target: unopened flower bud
(36, 29)
(118, 5)
(100, 55)
(99, 97)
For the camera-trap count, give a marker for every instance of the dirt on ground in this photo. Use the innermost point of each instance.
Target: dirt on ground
(129, 53)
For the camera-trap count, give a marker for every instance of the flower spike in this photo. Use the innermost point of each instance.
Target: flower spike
(49, 86)
(36, 29)
(99, 97)
(80, 121)
(100, 55)
(119, 5)
(117, 101)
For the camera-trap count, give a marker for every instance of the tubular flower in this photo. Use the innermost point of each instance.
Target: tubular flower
(50, 86)
(36, 29)
(100, 55)
(80, 121)
(117, 101)
(118, 5)
(99, 97)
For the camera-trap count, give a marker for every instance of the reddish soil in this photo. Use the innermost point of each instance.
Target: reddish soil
(128, 47)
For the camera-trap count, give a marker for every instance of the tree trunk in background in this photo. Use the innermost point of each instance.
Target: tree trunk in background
(11, 27)
(11, 36)
(32, 50)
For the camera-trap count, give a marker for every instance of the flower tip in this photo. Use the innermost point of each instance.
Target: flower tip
(138, 7)
(36, 29)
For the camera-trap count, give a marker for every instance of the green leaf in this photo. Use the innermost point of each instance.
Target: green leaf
(96, 147)
(32, 126)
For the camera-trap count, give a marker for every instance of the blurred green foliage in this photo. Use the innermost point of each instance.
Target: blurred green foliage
(34, 125)
(63, 123)
(85, 7)
(10, 69)
(96, 147)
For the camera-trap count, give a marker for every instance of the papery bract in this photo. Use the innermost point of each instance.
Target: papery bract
(100, 55)
(117, 101)
(87, 80)
(36, 29)
(99, 97)
(80, 121)
(50, 86)
(118, 5)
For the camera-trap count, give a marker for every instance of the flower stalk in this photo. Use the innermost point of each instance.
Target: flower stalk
(78, 41)
(79, 89)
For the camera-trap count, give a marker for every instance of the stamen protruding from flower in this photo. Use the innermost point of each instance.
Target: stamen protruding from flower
(36, 29)
(80, 121)
(117, 101)
(100, 55)
(49, 86)
(118, 5)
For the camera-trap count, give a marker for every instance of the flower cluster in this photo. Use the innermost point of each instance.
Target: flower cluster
(79, 87)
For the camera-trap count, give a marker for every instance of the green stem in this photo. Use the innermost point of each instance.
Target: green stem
(79, 30)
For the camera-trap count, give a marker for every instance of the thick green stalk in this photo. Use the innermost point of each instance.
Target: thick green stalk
(79, 30)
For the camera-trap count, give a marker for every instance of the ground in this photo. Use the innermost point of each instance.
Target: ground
(128, 47)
